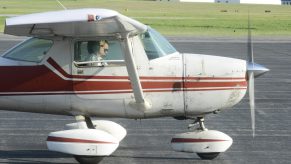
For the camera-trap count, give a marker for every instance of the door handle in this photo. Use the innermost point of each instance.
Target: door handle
(80, 71)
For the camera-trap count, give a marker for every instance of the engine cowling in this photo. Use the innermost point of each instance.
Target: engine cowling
(207, 141)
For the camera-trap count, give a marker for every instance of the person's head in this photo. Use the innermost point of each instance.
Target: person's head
(98, 46)
(103, 47)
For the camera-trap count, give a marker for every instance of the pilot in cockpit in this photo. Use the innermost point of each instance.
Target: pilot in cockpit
(97, 51)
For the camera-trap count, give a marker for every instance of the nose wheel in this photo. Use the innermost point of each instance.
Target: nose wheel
(200, 122)
(88, 159)
(207, 156)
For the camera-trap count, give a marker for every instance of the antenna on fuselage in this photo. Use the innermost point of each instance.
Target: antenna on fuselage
(64, 7)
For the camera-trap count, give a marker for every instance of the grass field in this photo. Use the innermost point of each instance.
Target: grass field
(175, 18)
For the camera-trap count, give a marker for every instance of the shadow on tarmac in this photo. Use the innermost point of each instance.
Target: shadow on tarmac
(155, 157)
(24, 156)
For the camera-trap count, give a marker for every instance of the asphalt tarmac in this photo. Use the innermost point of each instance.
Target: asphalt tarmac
(23, 135)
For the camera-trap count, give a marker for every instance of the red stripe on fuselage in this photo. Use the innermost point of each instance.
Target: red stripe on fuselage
(192, 140)
(65, 74)
(32, 79)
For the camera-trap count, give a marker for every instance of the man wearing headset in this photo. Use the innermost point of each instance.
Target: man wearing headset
(97, 51)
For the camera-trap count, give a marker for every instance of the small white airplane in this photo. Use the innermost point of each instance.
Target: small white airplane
(97, 62)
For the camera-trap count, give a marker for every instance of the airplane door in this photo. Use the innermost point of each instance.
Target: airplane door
(99, 73)
(98, 66)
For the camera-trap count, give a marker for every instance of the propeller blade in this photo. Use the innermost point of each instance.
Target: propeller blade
(250, 43)
(252, 99)
(251, 76)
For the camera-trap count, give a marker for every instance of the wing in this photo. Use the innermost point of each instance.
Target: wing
(79, 22)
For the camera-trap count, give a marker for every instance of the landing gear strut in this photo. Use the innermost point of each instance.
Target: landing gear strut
(200, 121)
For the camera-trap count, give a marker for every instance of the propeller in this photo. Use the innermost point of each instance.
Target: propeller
(251, 78)
(253, 70)
(251, 90)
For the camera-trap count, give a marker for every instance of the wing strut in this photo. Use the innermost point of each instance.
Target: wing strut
(140, 101)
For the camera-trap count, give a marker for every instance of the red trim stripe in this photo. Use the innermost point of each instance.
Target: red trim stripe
(65, 74)
(40, 80)
(192, 140)
(114, 92)
(74, 140)
(111, 85)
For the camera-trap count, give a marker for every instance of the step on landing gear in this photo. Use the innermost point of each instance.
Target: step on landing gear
(207, 144)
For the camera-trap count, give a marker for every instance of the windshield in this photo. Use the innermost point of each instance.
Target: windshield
(155, 45)
(31, 50)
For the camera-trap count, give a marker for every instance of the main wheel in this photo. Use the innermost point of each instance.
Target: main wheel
(88, 159)
(207, 156)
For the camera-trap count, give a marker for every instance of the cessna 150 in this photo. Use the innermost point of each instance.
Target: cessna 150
(97, 62)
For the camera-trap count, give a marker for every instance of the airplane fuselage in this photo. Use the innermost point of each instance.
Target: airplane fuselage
(174, 85)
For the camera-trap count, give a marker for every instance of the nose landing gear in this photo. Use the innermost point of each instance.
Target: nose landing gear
(207, 144)
(200, 121)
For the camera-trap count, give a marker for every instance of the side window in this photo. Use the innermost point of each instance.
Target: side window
(31, 50)
(98, 53)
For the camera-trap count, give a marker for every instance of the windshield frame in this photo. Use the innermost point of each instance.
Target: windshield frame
(156, 45)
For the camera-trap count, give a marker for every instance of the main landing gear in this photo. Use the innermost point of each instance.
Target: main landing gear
(87, 159)
(88, 141)
(207, 144)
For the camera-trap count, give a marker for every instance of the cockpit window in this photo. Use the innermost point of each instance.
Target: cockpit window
(155, 45)
(98, 53)
(31, 50)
